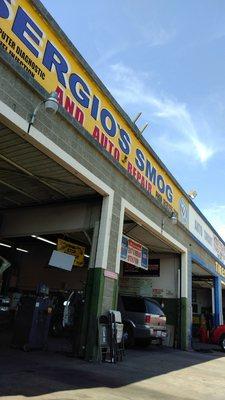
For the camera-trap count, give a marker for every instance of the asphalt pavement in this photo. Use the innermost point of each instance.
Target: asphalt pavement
(145, 374)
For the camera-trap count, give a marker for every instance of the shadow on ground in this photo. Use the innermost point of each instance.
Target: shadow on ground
(37, 373)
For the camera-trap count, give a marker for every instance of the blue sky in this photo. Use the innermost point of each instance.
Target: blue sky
(166, 59)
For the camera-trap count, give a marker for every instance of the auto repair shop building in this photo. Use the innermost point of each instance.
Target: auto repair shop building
(87, 177)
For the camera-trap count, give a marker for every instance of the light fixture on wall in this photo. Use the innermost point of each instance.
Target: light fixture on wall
(172, 217)
(192, 194)
(51, 106)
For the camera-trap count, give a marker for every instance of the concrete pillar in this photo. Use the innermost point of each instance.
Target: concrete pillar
(111, 278)
(213, 300)
(185, 306)
(102, 282)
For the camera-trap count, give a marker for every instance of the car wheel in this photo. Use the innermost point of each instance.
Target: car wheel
(222, 343)
(128, 336)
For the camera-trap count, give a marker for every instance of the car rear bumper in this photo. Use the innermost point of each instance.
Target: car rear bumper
(149, 332)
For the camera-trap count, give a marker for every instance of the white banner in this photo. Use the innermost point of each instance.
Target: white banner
(205, 235)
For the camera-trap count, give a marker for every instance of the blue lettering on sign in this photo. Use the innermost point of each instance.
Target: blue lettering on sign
(124, 141)
(150, 172)
(5, 8)
(169, 193)
(140, 160)
(152, 175)
(107, 116)
(20, 27)
(160, 183)
(82, 94)
(30, 34)
(95, 107)
(53, 57)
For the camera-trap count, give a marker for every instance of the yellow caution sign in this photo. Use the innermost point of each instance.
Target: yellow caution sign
(72, 249)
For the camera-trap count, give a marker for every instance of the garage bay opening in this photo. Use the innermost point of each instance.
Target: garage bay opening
(149, 288)
(49, 230)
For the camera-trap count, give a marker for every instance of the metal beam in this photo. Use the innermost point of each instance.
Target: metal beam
(10, 200)
(50, 219)
(202, 278)
(87, 237)
(41, 180)
(19, 190)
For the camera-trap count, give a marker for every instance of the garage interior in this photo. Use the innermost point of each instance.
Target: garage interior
(202, 302)
(161, 281)
(40, 204)
(223, 299)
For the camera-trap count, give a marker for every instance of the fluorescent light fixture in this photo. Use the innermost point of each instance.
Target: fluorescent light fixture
(22, 250)
(86, 255)
(44, 240)
(5, 245)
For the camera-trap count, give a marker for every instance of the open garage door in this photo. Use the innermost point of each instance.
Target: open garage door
(48, 218)
(223, 300)
(203, 305)
(28, 177)
(149, 287)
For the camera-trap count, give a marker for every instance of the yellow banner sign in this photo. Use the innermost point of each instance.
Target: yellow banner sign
(219, 269)
(73, 250)
(28, 38)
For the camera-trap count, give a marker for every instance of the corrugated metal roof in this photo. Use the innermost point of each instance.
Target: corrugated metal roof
(28, 177)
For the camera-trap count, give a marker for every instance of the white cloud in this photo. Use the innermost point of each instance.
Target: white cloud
(107, 55)
(216, 216)
(130, 87)
(154, 37)
(139, 37)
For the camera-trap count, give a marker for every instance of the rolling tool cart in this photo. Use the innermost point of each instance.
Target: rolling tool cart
(111, 343)
(32, 321)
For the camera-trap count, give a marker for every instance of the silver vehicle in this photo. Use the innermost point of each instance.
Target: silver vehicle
(143, 319)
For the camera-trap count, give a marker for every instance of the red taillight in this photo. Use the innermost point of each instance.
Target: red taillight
(148, 319)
